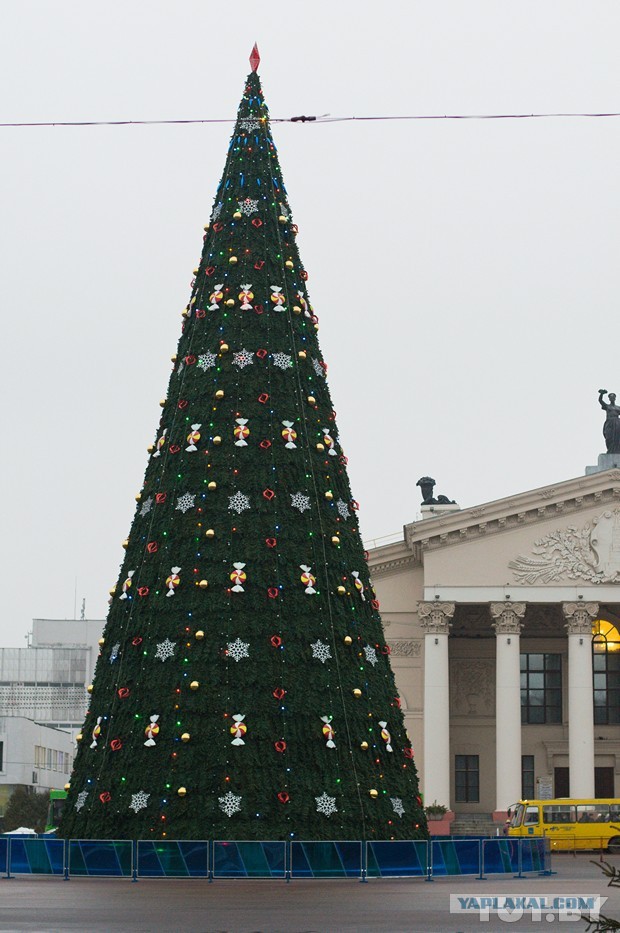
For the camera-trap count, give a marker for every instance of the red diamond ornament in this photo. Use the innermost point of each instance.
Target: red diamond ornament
(254, 58)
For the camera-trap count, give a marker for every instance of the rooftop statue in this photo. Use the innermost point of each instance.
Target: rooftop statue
(611, 428)
(427, 485)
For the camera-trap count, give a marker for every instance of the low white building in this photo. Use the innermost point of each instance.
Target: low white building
(32, 755)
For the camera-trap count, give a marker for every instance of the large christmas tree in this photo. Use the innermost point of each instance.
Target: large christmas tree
(244, 687)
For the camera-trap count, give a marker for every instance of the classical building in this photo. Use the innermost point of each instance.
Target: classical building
(504, 623)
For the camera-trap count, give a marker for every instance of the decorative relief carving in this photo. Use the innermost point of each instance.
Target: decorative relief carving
(406, 648)
(591, 553)
(580, 617)
(507, 617)
(435, 617)
(472, 687)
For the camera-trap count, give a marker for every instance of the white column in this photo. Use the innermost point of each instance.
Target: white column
(435, 620)
(579, 618)
(507, 627)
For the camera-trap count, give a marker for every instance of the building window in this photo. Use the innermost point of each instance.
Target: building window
(606, 672)
(541, 688)
(527, 777)
(467, 778)
(1, 756)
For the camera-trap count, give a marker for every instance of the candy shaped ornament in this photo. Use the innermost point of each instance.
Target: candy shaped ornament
(241, 432)
(96, 732)
(329, 442)
(193, 437)
(278, 299)
(161, 440)
(289, 435)
(359, 586)
(152, 730)
(215, 297)
(304, 304)
(238, 729)
(385, 735)
(173, 580)
(238, 577)
(328, 732)
(308, 579)
(245, 297)
(127, 585)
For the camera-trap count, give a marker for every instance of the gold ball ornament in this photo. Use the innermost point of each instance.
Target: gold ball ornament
(217, 440)
(89, 689)
(173, 358)
(329, 494)
(237, 215)
(150, 448)
(67, 787)
(342, 591)
(282, 219)
(126, 543)
(112, 592)
(223, 348)
(219, 394)
(347, 638)
(162, 403)
(101, 642)
(335, 540)
(203, 584)
(185, 737)
(364, 746)
(357, 692)
(230, 302)
(302, 354)
(233, 260)
(79, 737)
(296, 309)
(194, 685)
(320, 447)
(138, 497)
(206, 226)
(196, 271)
(209, 533)
(311, 400)
(182, 791)
(373, 792)
(212, 485)
(199, 635)
(288, 264)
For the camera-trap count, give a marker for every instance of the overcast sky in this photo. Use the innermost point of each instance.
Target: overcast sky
(465, 272)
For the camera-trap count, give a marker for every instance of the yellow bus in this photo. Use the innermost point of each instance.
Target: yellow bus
(568, 823)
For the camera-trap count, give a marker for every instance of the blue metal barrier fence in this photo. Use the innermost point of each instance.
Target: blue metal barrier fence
(148, 858)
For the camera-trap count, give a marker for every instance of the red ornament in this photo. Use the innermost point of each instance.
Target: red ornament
(218, 226)
(254, 58)
(270, 542)
(374, 603)
(200, 313)
(136, 641)
(332, 416)
(259, 309)
(174, 448)
(268, 494)
(209, 270)
(408, 752)
(355, 505)
(283, 797)
(397, 702)
(344, 460)
(265, 444)
(123, 692)
(190, 359)
(261, 354)
(116, 745)
(152, 547)
(279, 693)
(259, 264)
(143, 591)
(295, 228)
(314, 318)
(304, 275)
(276, 641)
(280, 746)
(257, 222)
(386, 650)
(366, 556)
(183, 404)
(105, 797)
(160, 497)
(263, 397)
(273, 592)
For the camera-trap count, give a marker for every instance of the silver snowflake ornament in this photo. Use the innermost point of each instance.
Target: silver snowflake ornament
(284, 211)
(243, 358)
(114, 652)
(165, 650)
(81, 799)
(318, 368)
(248, 207)
(320, 650)
(217, 210)
(206, 361)
(282, 360)
(299, 501)
(239, 502)
(246, 126)
(238, 649)
(230, 803)
(139, 801)
(371, 654)
(185, 502)
(147, 505)
(343, 508)
(326, 804)
(397, 805)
